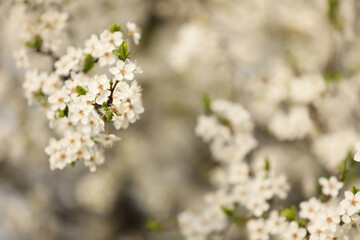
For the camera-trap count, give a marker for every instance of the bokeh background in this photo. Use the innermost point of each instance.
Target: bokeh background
(246, 51)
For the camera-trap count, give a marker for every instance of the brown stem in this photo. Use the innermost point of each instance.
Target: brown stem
(112, 89)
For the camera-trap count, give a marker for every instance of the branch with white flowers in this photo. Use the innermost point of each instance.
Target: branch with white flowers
(246, 190)
(79, 105)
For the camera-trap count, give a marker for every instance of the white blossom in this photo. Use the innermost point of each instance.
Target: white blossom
(93, 46)
(351, 203)
(99, 89)
(293, 232)
(115, 39)
(330, 186)
(107, 140)
(134, 32)
(258, 230)
(123, 70)
(21, 58)
(106, 57)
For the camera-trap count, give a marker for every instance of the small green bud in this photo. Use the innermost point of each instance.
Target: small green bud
(289, 213)
(115, 28)
(332, 76)
(35, 44)
(88, 63)
(267, 164)
(207, 103)
(355, 190)
(109, 115)
(105, 106)
(334, 14)
(301, 222)
(39, 96)
(154, 225)
(228, 211)
(80, 90)
(224, 121)
(343, 169)
(63, 113)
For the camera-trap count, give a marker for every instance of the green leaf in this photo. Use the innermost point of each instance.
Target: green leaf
(123, 52)
(80, 90)
(124, 48)
(63, 113)
(350, 156)
(332, 76)
(88, 63)
(73, 163)
(228, 211)
(301, 222)
(109, 115)
(333, 14)
(207, 103)
(105, 106)
(115, 28)
(343, 169)
(154, 225)
(93, 139)
(267, 164)
(289, 213)
(39, 96)
(355, 190)
(116, 52)
(224, 121)
(35, 43)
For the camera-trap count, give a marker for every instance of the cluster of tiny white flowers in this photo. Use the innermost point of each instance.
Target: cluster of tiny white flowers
(275, 225)
(288, 99)
(291, 106)
(297, 121)
(79, 106)
(331, 218)
(332, 147)
(228, 128)
(48, 31)
(244, 192)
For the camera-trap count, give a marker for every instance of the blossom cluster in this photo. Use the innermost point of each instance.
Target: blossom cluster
(313, 107)
(293, 95)
(246, 189)
(79, 105)
(228, 128)
(289, 97)
(326, 218)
